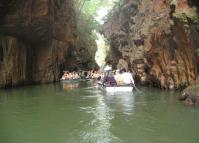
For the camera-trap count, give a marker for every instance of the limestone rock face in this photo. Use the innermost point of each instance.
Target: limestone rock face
(13, 63)
(158, 38)
(36, 39)
(38, 21)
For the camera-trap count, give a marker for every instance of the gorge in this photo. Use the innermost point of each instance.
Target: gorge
(156, 39)
(58, 58)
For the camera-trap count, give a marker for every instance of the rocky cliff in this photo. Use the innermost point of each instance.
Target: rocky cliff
(157, 39)
(37, 41)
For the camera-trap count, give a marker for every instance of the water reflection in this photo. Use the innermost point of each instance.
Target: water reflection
(122, 102)
(76, 84)
(98, 129)
(69, 86)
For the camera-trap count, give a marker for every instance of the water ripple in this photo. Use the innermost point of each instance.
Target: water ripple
(98, 129)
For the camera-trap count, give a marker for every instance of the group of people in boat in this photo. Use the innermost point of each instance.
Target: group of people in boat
(70, 75)
(92, 74)
(116, 77)
(107, 76)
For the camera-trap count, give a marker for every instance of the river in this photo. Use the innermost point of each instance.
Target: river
(81, 113)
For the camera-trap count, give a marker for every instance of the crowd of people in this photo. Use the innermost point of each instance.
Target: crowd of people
(117, 77)
(92, 74)
(70, 75)
(107, 76)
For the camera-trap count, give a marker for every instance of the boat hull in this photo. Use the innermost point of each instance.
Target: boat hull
(117, 88)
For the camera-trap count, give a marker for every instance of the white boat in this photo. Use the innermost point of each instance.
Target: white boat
(116, 88)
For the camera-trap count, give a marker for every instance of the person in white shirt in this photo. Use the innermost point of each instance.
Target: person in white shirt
(127, 77)
(118, 77)
(108, 67)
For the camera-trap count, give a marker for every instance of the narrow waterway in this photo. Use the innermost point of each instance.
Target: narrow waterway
(80, 113)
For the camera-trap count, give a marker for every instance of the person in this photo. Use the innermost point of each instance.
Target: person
(107, 72)
(64, 76)
(118, 77)
(88, 76)
(76, 76)
(108, 67)
(109, 79)
(127, 77)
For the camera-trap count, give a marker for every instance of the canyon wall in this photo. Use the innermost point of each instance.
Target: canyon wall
(156, 39)
(37, 41)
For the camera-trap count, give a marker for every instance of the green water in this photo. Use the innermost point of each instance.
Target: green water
(79, 113)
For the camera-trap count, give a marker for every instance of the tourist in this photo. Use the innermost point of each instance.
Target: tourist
(127, 77)
(118, 77)
(108, 67)
(76, 76)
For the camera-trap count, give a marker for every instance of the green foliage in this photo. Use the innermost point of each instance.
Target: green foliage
(87, 11)
(86, 23)
(86, 14)
(197, 52)
(116, 7)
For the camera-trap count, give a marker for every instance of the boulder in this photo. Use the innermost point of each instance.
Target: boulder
(190, 96)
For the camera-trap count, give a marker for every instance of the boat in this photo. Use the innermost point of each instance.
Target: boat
(116, 88)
